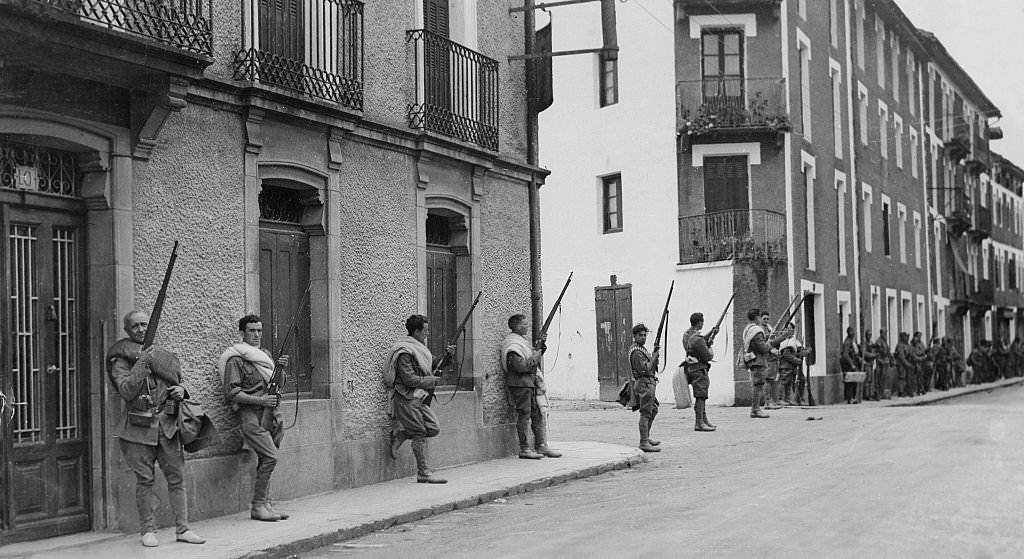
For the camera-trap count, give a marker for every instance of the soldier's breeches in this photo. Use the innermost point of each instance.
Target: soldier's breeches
(263, 443)
(141, 459)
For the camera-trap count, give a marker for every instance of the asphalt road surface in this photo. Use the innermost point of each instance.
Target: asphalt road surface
(944, 480)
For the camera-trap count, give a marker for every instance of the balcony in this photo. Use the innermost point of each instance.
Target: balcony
(742, 235)
(981, 228)
(984, 294)
(325, 61)
(707, 107)
(180, 24)
(958, 211)
(456, 90)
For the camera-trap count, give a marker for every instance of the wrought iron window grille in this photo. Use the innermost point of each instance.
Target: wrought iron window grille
(323, 60)
(456, 90)
(280, 204)
(183, 24)
(40, 169)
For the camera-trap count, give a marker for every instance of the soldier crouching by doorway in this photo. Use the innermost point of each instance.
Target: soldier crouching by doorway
(408, 374)
(247, 370)
(698, 362)
(149, 380)
(520, 363)
(644, 366)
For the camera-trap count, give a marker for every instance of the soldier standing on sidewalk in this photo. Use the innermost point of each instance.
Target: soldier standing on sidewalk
(247, 369)
(520, 362)
(870, 359)
(149, 381)
(698, 362)
(645, 370)
(884, 367)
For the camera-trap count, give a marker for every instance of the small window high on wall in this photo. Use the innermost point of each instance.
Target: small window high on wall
(611, 195)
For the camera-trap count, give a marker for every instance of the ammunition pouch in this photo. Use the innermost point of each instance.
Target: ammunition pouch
(143, 418)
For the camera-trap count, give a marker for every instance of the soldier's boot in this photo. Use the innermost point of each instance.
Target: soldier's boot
(650, 425)
(755, 403)
(396, 443)
(273, 509)
(260, 511)
(260, 496)
(423, 472)
(701, 411)
(545, 450)
(645, 436)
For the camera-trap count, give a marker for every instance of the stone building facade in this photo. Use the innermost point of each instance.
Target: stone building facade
(374, 152)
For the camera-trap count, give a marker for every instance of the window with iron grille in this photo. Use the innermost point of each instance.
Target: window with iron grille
(611, 195)
(314, 47)
(39, 169)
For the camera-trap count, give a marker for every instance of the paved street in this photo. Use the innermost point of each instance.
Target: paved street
(945, 480)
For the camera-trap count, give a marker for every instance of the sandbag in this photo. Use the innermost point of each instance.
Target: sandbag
(681, 389)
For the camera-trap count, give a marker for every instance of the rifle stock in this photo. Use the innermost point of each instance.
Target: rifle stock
(551, 314)
(158, 307)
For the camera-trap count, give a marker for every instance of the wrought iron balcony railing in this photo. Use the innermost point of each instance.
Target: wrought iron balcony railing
(709, 105)
(456, 90)
(733, 235)
(182, 24)
(958, 210)
(319, 54)
(981, 228)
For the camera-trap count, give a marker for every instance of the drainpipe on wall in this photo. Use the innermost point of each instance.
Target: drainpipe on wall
(532, 151)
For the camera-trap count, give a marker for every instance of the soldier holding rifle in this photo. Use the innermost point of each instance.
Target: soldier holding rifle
(408, 373)
(697, 364)
(249, 371)
(644, 366)
(148, 378)
(520, 362)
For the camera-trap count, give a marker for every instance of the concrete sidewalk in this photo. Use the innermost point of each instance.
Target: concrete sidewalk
(339, 515)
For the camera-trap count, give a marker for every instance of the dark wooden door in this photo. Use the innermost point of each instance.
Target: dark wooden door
(442, 307)
(284, 275)
(725, 183)
(614, 310)
(45, 445)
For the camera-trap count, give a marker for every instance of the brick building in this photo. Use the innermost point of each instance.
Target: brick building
(828, 148)
(359, 148)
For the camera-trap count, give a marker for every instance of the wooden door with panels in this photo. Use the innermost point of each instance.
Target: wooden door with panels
(45, 444)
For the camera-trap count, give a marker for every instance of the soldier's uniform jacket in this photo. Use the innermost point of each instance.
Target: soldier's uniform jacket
(144, 386)
(698, 354)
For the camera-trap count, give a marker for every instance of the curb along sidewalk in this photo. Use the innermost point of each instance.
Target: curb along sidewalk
(335, 516)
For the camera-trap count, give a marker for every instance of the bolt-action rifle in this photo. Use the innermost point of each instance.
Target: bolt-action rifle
(447, 356)
(154, 317)
(663, 323)
(542, 335)
(158, 307)
(277, 379)
(714, 331)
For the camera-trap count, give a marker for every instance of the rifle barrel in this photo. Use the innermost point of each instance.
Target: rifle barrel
(158, 306)
(551, 313)
(664, 316)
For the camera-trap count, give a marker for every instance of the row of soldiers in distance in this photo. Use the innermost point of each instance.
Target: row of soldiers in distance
(913, 368)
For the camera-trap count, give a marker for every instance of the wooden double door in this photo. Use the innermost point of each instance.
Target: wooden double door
(44, 451)
(614, 310)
